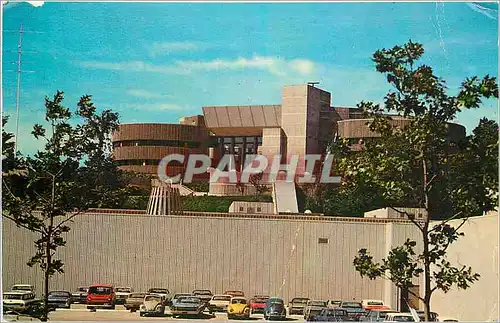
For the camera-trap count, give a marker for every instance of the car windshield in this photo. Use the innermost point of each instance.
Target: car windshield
(238, 301)
(152, 298)
(202, 292)
(275, 301)
(190, 300)
(375, 303)
(317, 303)
(259, 300)
(222, 298)
(300, 300)
(177, 296)
(12, 296)
(22, 288)
(352, 305)
(123, 290)
(333, 313)
(158, 290)
(400, 318)
(59, 294)
(100, 290)
(137, 295)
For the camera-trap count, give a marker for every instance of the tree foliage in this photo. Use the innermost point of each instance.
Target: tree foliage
(72, 173)
(424, 163)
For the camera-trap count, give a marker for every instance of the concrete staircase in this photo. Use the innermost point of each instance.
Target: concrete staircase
(285, 197)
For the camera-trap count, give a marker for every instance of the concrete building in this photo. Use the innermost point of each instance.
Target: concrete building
(279, 255)
(401, 213)
(303, 123)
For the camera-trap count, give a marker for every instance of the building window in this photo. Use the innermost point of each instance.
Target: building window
(259, 209)
(250, 210)
(322, 240)
(241, 208)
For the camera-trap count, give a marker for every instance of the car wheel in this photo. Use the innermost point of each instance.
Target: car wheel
(113, 306)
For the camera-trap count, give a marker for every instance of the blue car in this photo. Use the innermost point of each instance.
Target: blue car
(275, 309)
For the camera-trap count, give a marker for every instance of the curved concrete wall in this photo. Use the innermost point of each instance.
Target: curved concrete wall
(357, 128)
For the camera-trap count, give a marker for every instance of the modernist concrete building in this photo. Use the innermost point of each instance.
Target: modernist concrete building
(303, 123)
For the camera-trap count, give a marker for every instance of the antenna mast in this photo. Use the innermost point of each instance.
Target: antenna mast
(18, 90)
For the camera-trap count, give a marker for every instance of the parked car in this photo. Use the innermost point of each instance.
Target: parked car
(448, 320)
(59, 299)
(19, 301)
(23, 288)
(238, 307)
(153, 305)
(234, 293)
(134, 301)
(333, 303)
(163, 292)
(297, 305)
(433, 316)
(176, 296)
(373, 304)
(313, 308)
(354, 309)
(204, 294)
(332, 315)
(80, 296)
(377, 315)
(399, 317)
(275, 309)
(122, 293)
(101, 295)
(257, 303)
(13, 316)
(187, 305)
(219, 303)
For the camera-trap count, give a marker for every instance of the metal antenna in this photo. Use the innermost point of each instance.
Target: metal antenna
(312, 83)
(19, 52)
(18, 89)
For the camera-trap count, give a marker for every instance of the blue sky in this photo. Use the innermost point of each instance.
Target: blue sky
(157, 62)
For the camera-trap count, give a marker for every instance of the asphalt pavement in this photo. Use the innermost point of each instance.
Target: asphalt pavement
(79, 312)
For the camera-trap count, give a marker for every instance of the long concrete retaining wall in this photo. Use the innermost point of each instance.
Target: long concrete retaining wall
(285, 256)
(273, 256)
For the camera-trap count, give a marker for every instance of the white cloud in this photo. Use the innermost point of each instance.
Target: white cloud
(488, 12)
(132, 66)
(165, 48)
(274, 65)
(303, 66)
(145, 94)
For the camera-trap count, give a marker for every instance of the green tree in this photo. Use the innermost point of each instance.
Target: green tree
(413, 165)
(72, 173)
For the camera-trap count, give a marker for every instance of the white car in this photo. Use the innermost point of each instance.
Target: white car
(19, 300)
(399, 317)
(23, 287)
(219, 303)
(122, 293)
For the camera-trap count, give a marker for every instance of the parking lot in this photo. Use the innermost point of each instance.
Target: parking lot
(79, 312)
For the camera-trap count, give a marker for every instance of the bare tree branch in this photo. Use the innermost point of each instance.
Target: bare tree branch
(409, 217)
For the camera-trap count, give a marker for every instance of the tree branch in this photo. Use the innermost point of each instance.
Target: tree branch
(21, 224)
(448, 220)
(68, 219)
(408, 216)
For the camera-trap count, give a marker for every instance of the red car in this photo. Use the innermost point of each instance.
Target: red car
(257, 303)
(101, 295)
